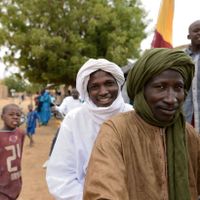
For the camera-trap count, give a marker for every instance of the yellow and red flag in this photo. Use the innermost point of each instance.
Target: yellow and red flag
(164, 26)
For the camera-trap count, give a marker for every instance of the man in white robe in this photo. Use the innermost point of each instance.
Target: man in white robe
(99, 84)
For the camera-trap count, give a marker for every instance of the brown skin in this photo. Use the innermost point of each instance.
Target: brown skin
(194, 36)
(165, 94)
(11, 115)
(102, 88)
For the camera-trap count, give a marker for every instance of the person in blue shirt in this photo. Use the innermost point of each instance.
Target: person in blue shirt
(44, 107)
(31, 123)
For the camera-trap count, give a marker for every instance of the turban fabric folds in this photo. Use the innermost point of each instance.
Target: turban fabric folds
(155, 61)
(100, 114)
(151, 64)
(93, 65)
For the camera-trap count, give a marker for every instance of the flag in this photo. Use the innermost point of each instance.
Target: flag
(164, 27)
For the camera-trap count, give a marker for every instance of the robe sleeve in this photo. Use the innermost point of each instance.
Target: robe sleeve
(106, 177)
(61, 175)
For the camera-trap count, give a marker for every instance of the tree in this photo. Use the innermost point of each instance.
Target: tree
(33, 88)
(15, 82)
(49, 40)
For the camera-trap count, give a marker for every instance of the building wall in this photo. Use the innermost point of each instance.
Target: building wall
(3, 91)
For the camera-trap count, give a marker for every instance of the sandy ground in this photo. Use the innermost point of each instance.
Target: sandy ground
(33, 174)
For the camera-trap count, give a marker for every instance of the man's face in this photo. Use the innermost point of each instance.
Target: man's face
(165, 94)
(11, 117)
(102, 88)
(194, 33)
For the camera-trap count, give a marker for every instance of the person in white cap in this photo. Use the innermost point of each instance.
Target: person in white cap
(99, 83)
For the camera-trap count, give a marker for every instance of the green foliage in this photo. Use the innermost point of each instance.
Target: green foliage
(33, 88)
(49, 40)
(15, 82)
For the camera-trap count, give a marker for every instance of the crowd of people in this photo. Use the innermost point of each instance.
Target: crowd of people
(105, 148)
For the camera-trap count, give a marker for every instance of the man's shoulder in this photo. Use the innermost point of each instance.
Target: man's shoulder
(67, 99)
(123, 117)
(75, 113)
(192, 133)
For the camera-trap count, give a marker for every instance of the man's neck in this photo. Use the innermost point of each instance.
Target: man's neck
(195, 48)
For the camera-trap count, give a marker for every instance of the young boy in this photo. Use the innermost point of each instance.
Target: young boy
(31, 123)
(11, 145)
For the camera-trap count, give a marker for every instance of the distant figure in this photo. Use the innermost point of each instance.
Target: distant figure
(31, 123)
(192, 102)
(69, 102)
(22, 97)
(11, 146)
(44, 107)
(36, 100)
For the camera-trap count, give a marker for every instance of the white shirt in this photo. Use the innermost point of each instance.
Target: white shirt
(69, 160)
(68, 104)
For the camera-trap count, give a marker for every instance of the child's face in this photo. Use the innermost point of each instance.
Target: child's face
(11, 117)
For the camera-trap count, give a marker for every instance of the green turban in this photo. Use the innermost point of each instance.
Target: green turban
(152, 63)
(155, 61)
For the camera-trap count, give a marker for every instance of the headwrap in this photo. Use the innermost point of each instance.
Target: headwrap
(100, 114)
(151, 64)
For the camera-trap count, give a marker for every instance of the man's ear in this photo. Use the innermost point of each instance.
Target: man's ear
(188, 37)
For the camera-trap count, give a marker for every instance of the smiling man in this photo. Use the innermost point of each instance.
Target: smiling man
(151, 152)
(99, 83)
(164, 94)
(102, 88)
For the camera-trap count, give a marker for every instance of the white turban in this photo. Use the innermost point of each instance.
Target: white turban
(93, 65)
(100, 114)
